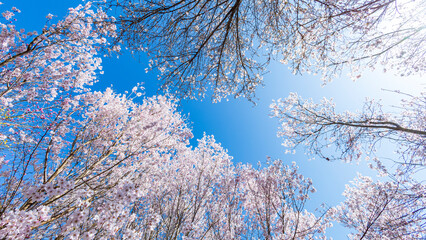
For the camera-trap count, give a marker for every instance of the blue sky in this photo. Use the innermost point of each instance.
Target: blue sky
(246, 130)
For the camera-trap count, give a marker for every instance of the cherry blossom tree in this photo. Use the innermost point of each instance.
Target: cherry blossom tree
(225, 45)
(276, 204)
(393, 207)
(318, 126)
(39, 69)
(384, 210)
(81, 164)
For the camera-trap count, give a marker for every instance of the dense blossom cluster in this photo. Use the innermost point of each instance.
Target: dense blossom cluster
(225, 45)
(41, 68)
(383, 210)
(276, 203)
(20, 223)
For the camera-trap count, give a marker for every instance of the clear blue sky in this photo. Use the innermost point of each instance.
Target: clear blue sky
(245, 130)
